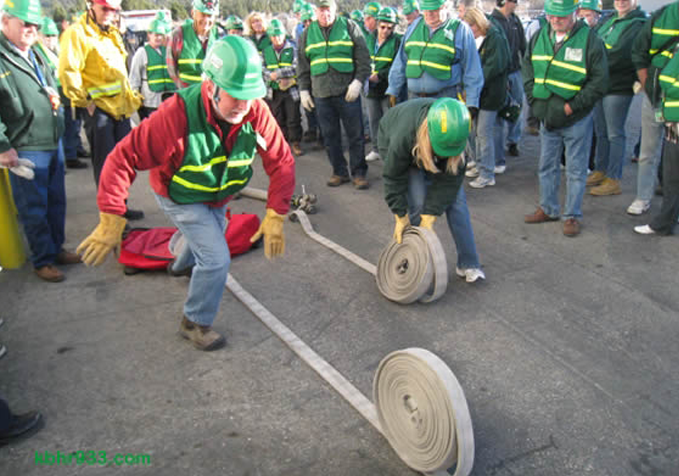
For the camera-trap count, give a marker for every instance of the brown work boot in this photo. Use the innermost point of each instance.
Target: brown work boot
(50, 273)
(68, 257)
(202, 337)
(337, 180)
(595, 178)
(608, 187)
(360, 183)
(539, 217)
(296, 149)
(571, 227)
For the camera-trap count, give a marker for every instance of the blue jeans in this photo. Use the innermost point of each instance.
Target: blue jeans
(207, 250)
(72, 141)
(41, 204)
(330, 111)
(577, 140)
(516, 93)
(649, 156)
(457, 214)
(610, 115)
(376, 109)
(489, 147)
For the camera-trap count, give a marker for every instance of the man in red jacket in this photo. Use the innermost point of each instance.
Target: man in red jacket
(199, 146)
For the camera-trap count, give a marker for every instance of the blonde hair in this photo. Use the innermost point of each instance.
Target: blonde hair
(250, 18)
(474, 16)
(424, 154)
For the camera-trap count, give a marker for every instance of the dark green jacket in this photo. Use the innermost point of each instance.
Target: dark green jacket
(494, 53)
(551, 110)
(395, 141)
(27, 119)
(621, 71)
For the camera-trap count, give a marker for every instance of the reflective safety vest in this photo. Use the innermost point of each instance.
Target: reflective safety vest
(156, 70)
(669, 83)
(191, 58)
(611, 30)
(435, 55)
(273, 62)
(665, 27)
(385, 53)
(562, 73)
(207, 173)
(336, 52)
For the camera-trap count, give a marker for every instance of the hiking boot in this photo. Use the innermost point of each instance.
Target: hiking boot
(608, 187)
(75, 164)
(360, 183)
(68, 257)
(296, 149)
(50, 273)
(337, 180)
(202, 337)
(513, 150)
(571, 227)
(595, 178)
(639, 207)
(539, 216)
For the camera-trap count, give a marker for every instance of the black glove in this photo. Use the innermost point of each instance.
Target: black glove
(473, 112)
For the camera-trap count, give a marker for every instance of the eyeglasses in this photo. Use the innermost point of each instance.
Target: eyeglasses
(386, 27)
(23, 24)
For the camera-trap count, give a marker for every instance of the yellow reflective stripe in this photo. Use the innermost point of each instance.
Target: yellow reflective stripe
(572, 87)
(384, 58)
(273, 66)
(239, 163)
(4, 75)
(608, 46)
(430, 64)
(441, 47)
(110, 89)
(415, 43)
(314, 45)
(190, 61)
(667, 79)
(577, 69)
(190, 77)
(541, 58)
(163, 80)
(331, 60)
(340, 43)
(160, 66)
(671, 103)
(204, 167)
(662, 31)
(283, 65)
(203, 188)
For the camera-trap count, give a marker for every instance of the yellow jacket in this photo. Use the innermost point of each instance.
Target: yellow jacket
(92, 68)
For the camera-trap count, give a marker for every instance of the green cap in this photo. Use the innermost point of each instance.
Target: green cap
(431, 4)
(327, 3)
(276, 28)
(26, 10)
(308, 12)
(448, 122)
(297, 6)
(410, 6)
(560, 8)
(388, 15)
(371, 9)
(357, 16)
(233, 23)
(234, 65)
(209, 7)
(161, 24)
(49, 28)
(595, 5)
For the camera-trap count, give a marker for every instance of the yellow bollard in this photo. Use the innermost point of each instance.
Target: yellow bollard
(12, 253)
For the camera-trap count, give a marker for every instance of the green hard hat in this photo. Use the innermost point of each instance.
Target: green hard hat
(308, 12)
(357, 16)
(560, 8)
(234, 65)
(371, 9)
(209, 7)
(26, 10)
(48, 27)
(388, 15)
(276, 28)
(448, 122)
(431, 4)
(410, 6)
(595, 5)
(160, 27)
(233, 23)
(297, 6)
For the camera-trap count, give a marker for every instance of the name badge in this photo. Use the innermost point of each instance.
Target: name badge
(573, 54)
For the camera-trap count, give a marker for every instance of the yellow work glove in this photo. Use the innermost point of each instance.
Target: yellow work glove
(427, 221)
(392, 100)
(272, 229)
(107, 235)
(401, 224)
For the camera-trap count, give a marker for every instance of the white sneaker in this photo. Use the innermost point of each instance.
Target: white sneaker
(372, 156)
(471, 275)
(471, 164)
(638, 207)
(500, 169)
(472, 173)
(644, 230)
(482, 182)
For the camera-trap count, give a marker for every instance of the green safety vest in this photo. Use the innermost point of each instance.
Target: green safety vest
(337, 51)
(207, 174)
(51, 59)
(562, 73)
(385, 53)
(273, 62)
(435, 55)
(191, 58)
(664, 28)
(611, 30)
(156, 71)
(262, 43)
(669, 83)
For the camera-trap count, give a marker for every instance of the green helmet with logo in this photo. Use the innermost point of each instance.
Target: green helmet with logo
(234, 65)
(388, 14)
(308, 12)
(560, 8)
(26, 10)
(276, 28)
(48, 27)
(448, 123)
(595, 5)
(431, 4)
(233, 23)
(209, 7)
(410, 6)
(371, 9)
(357, 16)
(297, 6)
